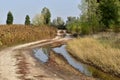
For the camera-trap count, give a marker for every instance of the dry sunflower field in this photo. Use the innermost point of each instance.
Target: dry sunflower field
(17, 34)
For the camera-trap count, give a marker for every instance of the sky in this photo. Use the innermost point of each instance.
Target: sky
(21, 8)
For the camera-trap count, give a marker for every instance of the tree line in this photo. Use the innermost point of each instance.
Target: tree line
(10, 19)
(43, 18)
(40, 19)
(95, 16)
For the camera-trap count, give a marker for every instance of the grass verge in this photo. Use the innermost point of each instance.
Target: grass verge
(92, 51)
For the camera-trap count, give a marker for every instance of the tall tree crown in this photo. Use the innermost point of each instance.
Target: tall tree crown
(27, 20)
(47, 15)
(9, 18)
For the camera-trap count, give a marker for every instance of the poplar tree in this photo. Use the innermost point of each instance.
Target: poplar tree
(27, 20)
(9, 18)
(47, 15)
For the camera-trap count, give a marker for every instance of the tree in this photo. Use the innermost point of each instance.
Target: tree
(116, 24)
(70, 19)
(99, 15)
(93, 15)
(73, 25)
(109, 12)
(27, 20)
(9, 18)
(59, 23)
(43, 18)
(38, 20)
(84, 10)
(47, 15)
(55, 23)
(90, 14)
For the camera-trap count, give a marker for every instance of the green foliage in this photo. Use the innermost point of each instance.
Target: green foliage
(100, 15)
(47, 15)
(84, 10)
(85, 29)
(90, 16)
(93, 15)
(70, 19)
(109, 12)
(73, 26)
(27, 20)
(89, 19)
(9, 18)
(38, 20)
(43, 18)
(59, 23)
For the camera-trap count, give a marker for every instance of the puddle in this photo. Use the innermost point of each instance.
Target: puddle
(43, 55)
(61, 50)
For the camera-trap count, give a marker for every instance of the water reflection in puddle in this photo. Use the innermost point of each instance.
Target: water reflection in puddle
(43, 55)
(61, 50)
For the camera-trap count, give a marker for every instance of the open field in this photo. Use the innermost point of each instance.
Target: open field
(94, 52)
(17, 34)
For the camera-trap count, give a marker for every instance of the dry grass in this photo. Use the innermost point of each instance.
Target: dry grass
(17, 34)
(109, 38)
(91, 51)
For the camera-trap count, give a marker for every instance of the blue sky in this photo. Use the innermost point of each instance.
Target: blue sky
(20, 8)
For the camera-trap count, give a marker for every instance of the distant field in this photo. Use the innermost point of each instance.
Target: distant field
(101, 53)
(17, 34)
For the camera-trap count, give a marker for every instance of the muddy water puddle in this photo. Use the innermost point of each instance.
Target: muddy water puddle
(43, 55)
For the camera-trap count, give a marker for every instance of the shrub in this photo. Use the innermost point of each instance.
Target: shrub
(85, 29)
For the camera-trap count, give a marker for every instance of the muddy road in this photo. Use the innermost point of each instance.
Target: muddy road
(19, 63)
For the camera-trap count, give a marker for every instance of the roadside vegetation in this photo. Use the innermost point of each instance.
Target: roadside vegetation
(96, 16)
(97, 53)
(17, 34)
(101, 51)
(111, 39)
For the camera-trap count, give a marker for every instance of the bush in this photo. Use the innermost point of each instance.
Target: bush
(74, 27)
(85, 29)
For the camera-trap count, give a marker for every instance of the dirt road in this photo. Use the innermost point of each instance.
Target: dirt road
(20, 65)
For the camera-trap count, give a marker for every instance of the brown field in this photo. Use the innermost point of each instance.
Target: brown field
(17, 34)
(100, 55)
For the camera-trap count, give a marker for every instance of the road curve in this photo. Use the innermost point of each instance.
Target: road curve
(18, 65)
(8, 61)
